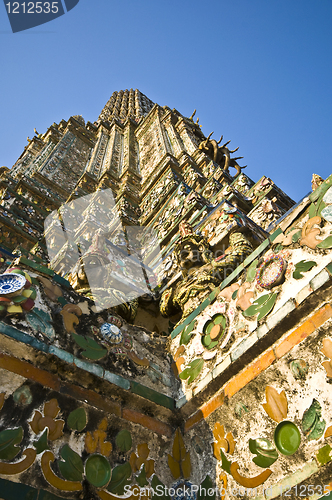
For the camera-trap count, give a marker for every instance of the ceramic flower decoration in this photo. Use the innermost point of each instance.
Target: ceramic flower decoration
(16, 293)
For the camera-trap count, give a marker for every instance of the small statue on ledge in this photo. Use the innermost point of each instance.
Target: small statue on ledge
(316, 181)
(201, 273)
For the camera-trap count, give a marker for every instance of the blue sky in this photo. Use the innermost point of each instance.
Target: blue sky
(258, 71)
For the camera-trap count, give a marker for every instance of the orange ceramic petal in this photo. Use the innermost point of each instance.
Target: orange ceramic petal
(18, 467)
(249, 482)
(327, 348)
(276, 406)
(53, 479)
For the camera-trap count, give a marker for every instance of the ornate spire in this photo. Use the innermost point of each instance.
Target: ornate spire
(126, 103)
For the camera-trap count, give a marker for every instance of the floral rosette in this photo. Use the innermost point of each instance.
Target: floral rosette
(271, 272)
(212, 325)
(110, 331)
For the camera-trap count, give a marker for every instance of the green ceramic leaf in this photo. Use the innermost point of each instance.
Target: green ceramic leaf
(8, 439)
(305, 265)
(212, 345)
(72, 466)
(263, 461)
(41, 321)
(219, 319)
(41, 444)
(33, 293)
(206, 487)
(312, 210)
(320, 207)
(79, 340)
(159, 489)
(193, 370)
(208, 327)
(120, 476)
(313, 425)
(206, 340)
(327, 243)
(267, 307)
(265, 451)
(234, 294)
(251, 311)
(92, 350)
(18, 299)
(77, 419)
(225, 464)
(262, 305)
(262, 299)
(141, 478)
(299, 368)
(251, 272)
(123, 440)
(240, 410)
(98, 470)
(323, 456)
(302, 267)
(296, 236)
(186, 333)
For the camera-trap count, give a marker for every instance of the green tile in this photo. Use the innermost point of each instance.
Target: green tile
(262, 330)
(185, 323)
(154, 369)
(180, 402)
(214, 294)
(274, 235)
(256, 252)
(117, 380)
(13, 491)
(61, 354)
(176, 331)
(221, 367)
(319, 280)
(230, 278)
(280, 314)
(37, 267)
(152, 395)
(39, 345)
(202, 384)
(89, 367)
(244, 346)
(204, 304)
(12, 332)
(61, 280)
(62, 301)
